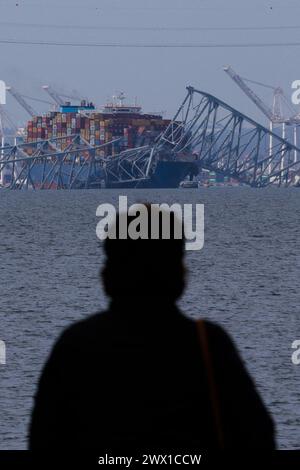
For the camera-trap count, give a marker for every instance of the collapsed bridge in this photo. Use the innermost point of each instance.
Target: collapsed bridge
(205, 133)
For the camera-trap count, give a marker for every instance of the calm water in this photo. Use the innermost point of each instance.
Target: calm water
(246, 278)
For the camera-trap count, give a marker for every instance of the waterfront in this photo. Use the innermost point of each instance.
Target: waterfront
(246, 278)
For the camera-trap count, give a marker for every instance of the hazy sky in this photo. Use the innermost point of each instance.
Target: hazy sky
(157, 76)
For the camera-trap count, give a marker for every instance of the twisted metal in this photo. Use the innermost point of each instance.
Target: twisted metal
(204, 131)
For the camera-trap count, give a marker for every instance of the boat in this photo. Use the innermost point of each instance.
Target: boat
(188, 184)
(114, 129)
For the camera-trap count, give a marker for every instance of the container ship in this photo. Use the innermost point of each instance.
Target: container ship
(117, 121)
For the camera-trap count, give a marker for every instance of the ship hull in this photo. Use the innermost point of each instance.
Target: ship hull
(167, 174)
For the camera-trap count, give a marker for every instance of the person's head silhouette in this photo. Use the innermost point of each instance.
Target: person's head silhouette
(151, 268)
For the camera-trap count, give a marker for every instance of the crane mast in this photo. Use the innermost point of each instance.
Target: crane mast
(274, 115)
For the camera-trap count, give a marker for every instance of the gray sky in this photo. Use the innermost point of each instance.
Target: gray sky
(158, 77)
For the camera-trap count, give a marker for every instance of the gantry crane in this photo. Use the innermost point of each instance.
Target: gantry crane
(5, 137)
(4, 116)
(21, 101)
(20, 98)
(57, 97)
(275, 115)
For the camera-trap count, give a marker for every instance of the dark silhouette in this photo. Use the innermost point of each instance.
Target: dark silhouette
(142, 374)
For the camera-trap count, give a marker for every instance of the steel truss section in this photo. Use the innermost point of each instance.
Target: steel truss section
(220, 138)
(204, 130)
(130, 166)
(228, 142)
(41, 165)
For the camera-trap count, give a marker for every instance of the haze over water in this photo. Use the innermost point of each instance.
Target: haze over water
(245, 278)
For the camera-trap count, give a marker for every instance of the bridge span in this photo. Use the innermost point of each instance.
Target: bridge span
(205, 131)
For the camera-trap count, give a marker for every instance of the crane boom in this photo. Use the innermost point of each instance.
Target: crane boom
(19, 98)
(37, 99)
(250, 93)
(54, 95)
(5, 116)
(57, 97)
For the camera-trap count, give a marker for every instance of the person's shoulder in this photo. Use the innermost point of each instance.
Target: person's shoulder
(85, 330)
(214, 328)
(218, 335)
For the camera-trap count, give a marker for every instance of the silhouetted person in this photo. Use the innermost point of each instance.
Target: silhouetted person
(141, 374)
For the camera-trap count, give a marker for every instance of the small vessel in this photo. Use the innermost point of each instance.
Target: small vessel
(187, 184)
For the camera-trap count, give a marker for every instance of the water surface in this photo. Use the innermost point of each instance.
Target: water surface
(246, 278)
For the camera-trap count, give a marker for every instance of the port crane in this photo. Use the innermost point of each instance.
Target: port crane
(4, 116)
(275, 114)
(6, 120)
(54, 95)
(19, 98)
(57, 97)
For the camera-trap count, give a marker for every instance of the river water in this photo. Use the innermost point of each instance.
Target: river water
(246, 278)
